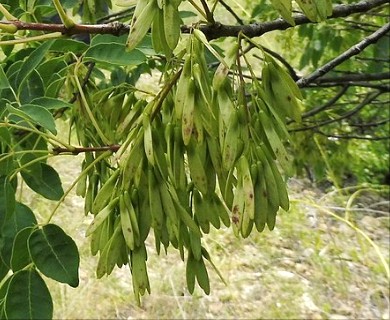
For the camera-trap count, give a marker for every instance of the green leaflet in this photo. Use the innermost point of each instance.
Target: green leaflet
(55, 254)
(28, 297)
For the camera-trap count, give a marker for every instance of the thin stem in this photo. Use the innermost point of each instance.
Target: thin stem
(42, 37)
(352, 137)
(34, 130)
(163, 94)
(370, 97)
(231, 11)
(199, 9)
(12, 153)
(84, 172)
(241, 95)
(78, 150)
(67, 21)
(86, 105)
(6, 13)
(39, 159)
(326, 105)
(209, 14)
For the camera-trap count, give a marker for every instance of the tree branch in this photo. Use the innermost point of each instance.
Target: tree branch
(258, 29)
(356, 49)
(212, 31)
(115, 28)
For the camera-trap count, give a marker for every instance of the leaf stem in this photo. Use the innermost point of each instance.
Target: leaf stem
(12, 153)
(54, 35)
(77, 150)
(34, 130)
(84, 172)
(86, 105)
(46, 156)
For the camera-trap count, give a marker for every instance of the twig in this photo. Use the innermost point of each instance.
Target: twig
(78, 150)
(117, 15)
(369, 124)
(373, 59)
(91, 65)
(381, 87)
(370, 97)
(209, 14)
(326, 105)
(231, 11)
(350, 137)
(356, 77)
(356, 49)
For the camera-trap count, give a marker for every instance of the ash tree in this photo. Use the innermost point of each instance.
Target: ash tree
(247, 94)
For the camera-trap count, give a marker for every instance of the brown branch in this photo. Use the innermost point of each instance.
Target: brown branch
(115, 28)
(258, 29)
(213, 31)
(76, 151)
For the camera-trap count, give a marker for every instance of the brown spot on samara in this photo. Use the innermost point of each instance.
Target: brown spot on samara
(235, 219)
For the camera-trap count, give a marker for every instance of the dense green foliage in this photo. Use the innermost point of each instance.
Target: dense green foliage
(210, 143)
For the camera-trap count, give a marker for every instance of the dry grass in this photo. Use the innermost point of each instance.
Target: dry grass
(311, 266)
